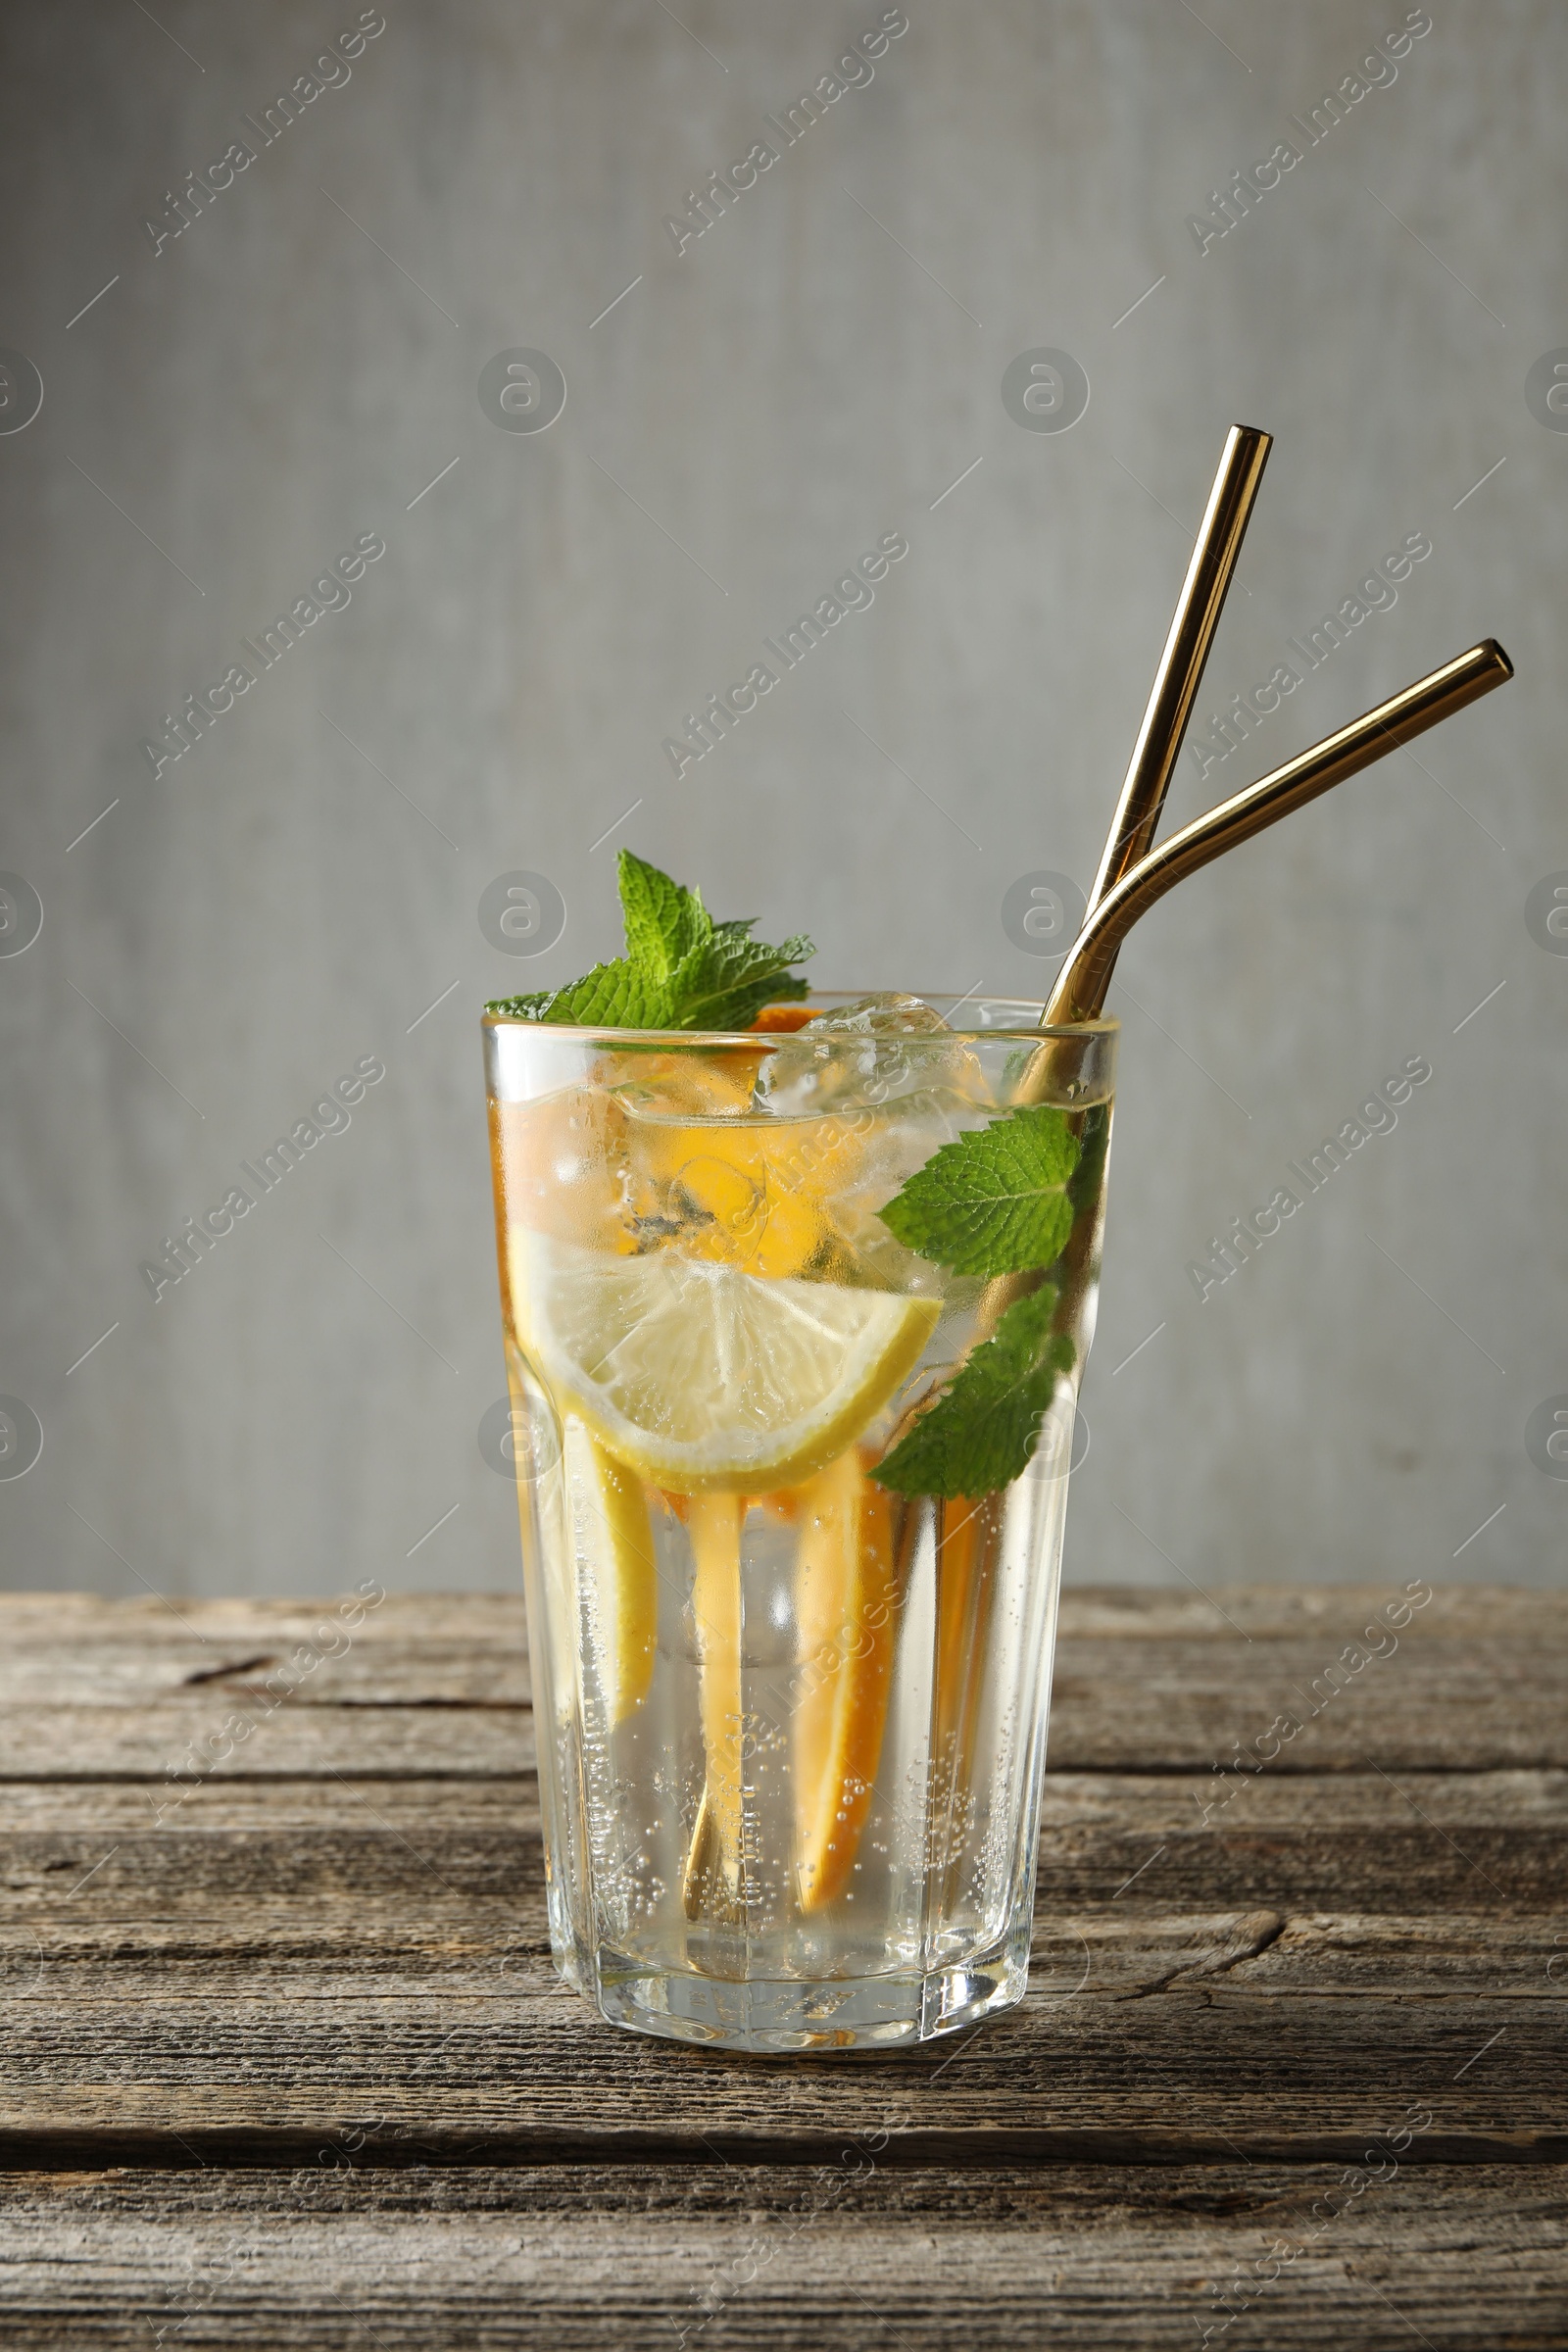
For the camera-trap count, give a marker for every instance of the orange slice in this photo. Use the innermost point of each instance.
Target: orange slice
(969, 1542)
(779, 1021)
(763, 1190)
(965, 1558)
(713, 1524)
(845, 1606)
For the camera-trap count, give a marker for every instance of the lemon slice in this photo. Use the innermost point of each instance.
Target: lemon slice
(704, 1378)
(614, 1545)
(846, 1605)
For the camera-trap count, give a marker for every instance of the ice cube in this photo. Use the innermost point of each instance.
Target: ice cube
(863, 1052)
(686, 1087)
(887, 1014)
(889, 1148)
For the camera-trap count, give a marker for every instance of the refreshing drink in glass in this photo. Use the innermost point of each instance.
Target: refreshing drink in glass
(793, 1477)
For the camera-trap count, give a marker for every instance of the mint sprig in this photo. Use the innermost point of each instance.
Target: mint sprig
(981, 1431)
(681, 971)
(994, 1201)
(663, 920)
(998, 1200)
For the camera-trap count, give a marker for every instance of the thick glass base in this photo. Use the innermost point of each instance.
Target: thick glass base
(782, 2016)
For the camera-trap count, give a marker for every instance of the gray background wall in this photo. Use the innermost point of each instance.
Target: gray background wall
(301, 889)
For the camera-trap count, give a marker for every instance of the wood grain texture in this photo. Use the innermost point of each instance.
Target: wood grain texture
(152, 1743)
(1270, 1980)
(305, 2000)
(850, 2253)
(1192, 2071)
(1144, 1681)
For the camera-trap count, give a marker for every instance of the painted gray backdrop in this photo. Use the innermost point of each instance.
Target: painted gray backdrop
(822, 366)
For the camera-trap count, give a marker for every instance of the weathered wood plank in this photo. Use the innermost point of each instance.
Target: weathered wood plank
(734, 2257)
(1490, 1843)
(274, 1959)
(1144, 1681)
(391, 1670)
(1151, 1719)
(228, 1801)
(60, 1621)
(1519, 1615)
(1467, 1611)
(296, 1889)
(373, 1945)
(1204, 2069)
(1144, 1706)
(1141, 1803)
(154, 1743)
(246, 1952)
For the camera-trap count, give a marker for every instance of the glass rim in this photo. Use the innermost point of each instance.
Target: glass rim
(1028, 1031)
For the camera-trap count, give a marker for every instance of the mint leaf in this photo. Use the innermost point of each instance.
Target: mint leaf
(663, 920)
(523, 1009)
(681, 971)
(725, 983)
(612, 996)
(983, 1426)
(993, 1202)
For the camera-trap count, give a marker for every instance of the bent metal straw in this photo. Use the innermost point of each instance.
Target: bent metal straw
(1081, 984)
(1181, 665)
(1079, 994)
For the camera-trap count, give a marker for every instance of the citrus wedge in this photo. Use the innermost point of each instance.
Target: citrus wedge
(845, 1607)
(704, 1378)
(614, 1544)
(966, 1541)
(712, 1875)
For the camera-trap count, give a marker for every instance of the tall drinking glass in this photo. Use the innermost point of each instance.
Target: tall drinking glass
(791, 1720)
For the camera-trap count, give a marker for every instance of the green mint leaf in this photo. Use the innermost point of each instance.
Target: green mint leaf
(983, 1426)
(663, 921)
(726, 980)
(612, 996)
(522, 1009)
(994, 1201)
(681, 970)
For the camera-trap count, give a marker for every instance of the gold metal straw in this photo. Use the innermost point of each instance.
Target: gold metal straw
(1181, 665)
(968, 1532)
(1081, 984)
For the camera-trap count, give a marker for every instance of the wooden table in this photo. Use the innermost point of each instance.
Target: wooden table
(284, 2062)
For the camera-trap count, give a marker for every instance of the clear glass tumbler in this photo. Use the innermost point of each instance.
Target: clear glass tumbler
(791, 1720)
